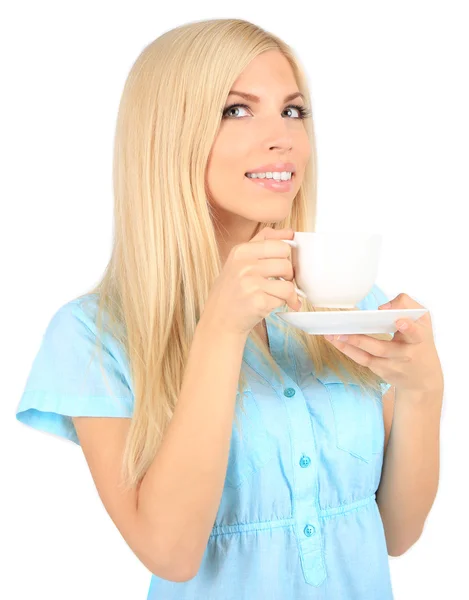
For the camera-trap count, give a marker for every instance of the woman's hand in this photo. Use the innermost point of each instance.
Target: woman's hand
(243, 294)
(409, 361)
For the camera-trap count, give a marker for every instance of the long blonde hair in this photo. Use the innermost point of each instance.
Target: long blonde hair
(164, 256)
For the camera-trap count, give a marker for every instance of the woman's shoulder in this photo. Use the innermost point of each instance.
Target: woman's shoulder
(76, 321)
(83, 310)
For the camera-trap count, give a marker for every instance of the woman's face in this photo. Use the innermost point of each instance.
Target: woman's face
(268, 132)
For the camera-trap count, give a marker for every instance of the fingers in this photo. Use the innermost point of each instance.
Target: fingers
(261, 249)
(269, 233)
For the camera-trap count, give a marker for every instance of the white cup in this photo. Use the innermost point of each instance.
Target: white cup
(335, 270)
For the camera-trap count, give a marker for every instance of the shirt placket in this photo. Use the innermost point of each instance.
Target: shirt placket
(306, 512)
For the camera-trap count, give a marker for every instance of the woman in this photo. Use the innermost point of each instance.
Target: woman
(243, 464)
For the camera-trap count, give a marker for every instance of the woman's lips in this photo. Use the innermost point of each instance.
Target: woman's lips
(273, 185)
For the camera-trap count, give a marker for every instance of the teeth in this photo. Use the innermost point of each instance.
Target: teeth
(283, 176)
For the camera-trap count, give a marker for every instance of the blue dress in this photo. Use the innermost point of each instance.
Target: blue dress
(298, 518)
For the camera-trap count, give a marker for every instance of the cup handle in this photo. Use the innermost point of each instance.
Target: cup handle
(297, 290)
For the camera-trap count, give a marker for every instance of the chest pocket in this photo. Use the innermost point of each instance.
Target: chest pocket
(357, 418)
(251, 449)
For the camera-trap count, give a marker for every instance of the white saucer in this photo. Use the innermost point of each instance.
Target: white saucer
(352, 321)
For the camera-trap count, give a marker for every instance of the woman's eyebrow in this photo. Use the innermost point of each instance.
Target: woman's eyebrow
(253, 98)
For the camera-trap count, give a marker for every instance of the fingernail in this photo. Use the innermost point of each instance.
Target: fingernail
(403, 326)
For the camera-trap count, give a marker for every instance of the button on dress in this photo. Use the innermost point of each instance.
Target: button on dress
(298, 518)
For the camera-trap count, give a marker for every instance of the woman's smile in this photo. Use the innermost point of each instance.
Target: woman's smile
(273, 185)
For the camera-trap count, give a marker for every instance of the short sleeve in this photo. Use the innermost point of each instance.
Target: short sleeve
(375, 298)
(70, 376)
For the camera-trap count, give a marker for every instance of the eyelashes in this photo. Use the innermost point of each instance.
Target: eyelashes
(304, 112)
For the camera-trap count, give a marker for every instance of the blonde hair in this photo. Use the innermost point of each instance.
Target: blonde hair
(165, 256)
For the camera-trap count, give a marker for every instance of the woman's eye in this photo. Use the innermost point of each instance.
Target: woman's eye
(233, 107)
(298, 110)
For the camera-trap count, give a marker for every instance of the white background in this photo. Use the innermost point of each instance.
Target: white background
(389, 83)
